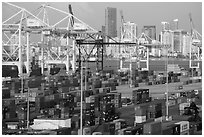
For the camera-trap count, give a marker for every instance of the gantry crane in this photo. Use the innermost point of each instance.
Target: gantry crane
(49, 33)
(195, 46)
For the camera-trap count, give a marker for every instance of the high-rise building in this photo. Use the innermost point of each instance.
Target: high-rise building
(165, 26)
(186, 44)
(129, 32)
(178, 40)
(103, 29)
(175, 24)
(150, 31)
(111, 21)
(167, 38)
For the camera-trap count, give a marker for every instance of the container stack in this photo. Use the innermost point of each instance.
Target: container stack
(170, 128)
(184, 127)
(107, 108)
(8, 109)
(140, 114)
(140, 96)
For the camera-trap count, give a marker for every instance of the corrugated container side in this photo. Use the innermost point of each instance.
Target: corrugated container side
(152, 128)
(184, 125)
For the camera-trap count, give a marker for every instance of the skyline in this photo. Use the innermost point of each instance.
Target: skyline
(141, 13)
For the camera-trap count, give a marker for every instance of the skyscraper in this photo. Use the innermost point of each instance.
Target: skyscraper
(186, 44)
(150, 31)
(175, 24)
(178, 40)
(111, 21)
(165, 26)
(167, 38)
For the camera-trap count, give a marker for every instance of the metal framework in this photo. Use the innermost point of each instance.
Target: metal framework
(50, 33)
(195, 50)
(15, 39)
(195, 46)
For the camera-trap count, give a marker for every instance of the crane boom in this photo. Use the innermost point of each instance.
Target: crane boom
(191, 23)
(72, 18)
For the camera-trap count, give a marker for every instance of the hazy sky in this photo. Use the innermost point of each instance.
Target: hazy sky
(142, 13)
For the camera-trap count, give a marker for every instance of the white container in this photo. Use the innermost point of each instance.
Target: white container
(140, 119)
(183, 105)
(51, 123)
(79, 27)
(12, 126)
(88, 100)
(184, 125)
(117, 125)
(97, 133)
(92, 99)
(34, 23)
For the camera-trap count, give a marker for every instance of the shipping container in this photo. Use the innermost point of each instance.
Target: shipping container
(97, 133)
(167, 130)
(136, 130)
(186, 132)
(152, 128)
(140, 111)
(64, 131)
(120, 124)
(183, 105)
(140, 119)
(184, 125)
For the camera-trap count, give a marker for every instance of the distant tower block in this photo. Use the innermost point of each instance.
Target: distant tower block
(165, 26)
(175, 24)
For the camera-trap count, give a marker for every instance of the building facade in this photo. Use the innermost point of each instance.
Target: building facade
(167, 38)
(178, 40)
(150, 31)
(175, 24)
(186, 44)
(165, 26)
(111, 21)
(129, 32)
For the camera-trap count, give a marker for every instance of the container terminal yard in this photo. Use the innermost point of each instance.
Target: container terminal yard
(66, 84)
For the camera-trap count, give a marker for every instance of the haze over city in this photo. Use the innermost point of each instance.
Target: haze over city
(141, 13)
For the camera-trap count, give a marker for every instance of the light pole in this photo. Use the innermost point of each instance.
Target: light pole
(167, 82)
(28, 108)
(81, 120)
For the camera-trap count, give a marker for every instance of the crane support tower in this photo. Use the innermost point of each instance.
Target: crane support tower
(195, 46)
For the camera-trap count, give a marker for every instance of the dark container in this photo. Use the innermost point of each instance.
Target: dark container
(64, 131)
(152, 128)
(137, 130)
(109, 127)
